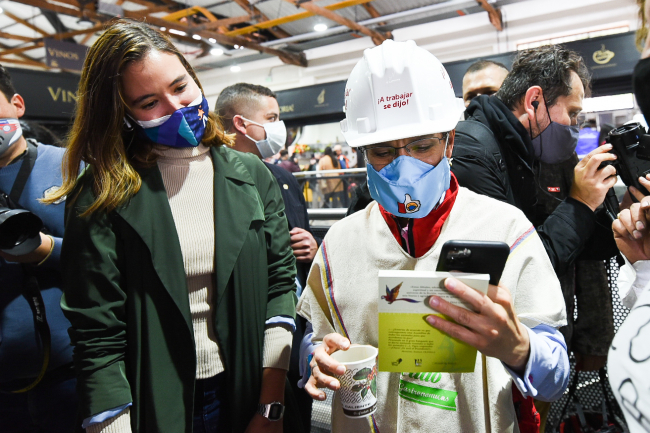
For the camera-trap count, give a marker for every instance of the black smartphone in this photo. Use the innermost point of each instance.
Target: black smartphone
(477, 257)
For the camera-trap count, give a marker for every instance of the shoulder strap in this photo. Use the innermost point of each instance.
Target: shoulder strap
(483, 135)
(25, 170)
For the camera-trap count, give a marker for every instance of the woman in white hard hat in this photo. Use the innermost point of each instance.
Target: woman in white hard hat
(401, 112)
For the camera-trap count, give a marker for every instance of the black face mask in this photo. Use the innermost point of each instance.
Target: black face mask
(556, 143)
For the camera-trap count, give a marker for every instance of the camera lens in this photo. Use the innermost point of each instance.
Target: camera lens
(19, 231)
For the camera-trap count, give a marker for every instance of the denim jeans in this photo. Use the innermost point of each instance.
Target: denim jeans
(211, 405)
(51, 407)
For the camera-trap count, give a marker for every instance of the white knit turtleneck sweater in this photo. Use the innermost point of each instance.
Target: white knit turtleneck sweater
(188, 175)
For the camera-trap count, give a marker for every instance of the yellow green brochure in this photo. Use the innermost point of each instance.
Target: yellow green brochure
(407, 343)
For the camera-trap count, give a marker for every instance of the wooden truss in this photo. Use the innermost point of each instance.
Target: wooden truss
(191, 21)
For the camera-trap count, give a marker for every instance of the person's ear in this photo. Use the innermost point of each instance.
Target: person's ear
(450, 144)
(238, 124)
(19, 104)
(533, 101)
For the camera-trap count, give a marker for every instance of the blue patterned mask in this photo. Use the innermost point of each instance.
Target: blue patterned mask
(185, 127)
(408, 187)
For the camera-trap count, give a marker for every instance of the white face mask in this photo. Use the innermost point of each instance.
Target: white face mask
(276, 136)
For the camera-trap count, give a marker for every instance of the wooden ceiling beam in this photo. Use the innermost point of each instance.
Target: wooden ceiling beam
(86, 38)
(310, 6)
(15, 37)
(26, 23)
(293, 58)
(493, 14)
(146, 3)
(78, 5)
(226, 22)
(252, 10)
(375, 14)
(25, 58)
(91, 30)
(66, 10)
(20, 50)
(294, 17)
(288, 57)
(178, 15)
(25, 62)
(371, 10)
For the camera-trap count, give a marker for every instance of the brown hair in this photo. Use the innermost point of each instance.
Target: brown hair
(549, 67)
(98, 136)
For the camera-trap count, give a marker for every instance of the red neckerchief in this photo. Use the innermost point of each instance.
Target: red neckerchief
(424, 231)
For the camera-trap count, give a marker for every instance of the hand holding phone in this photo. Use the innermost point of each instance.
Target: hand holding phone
(492, 327)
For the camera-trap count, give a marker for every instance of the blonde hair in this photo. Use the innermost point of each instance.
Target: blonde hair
(642, 32)
(98, 136)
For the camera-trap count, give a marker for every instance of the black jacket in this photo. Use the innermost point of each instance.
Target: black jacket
(295, 209)
(511, 177)
(642, 86)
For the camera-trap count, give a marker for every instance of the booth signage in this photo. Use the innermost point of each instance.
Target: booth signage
(609, 56)
(312, 101)
(47, 95)
(64, 55)
(606, 57)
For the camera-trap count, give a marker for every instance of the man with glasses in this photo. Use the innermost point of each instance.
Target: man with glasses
(519, 147)
(401, 112)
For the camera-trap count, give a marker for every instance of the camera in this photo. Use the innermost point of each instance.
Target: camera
(631, 144)
(19, 228)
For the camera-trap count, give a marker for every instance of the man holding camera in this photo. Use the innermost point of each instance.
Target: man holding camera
(37, 384)
(531, 120)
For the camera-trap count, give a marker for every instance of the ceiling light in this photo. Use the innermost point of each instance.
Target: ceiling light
(320, 27)
(235, 68)
(216, 51)
(162, 29)
(177, 32)
(212, 40)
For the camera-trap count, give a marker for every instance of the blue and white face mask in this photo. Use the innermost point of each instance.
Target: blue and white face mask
(408, 187)
(185, 127)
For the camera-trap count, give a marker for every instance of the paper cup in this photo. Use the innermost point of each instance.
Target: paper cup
(358, 392)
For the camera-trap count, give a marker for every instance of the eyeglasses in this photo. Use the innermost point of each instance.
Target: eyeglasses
(423, 149)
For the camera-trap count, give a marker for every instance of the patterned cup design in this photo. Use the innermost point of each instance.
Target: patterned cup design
(358, 392)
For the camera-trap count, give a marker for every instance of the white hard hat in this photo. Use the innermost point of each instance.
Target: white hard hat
(398, 90)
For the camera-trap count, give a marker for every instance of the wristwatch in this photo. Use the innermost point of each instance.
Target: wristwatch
(272, 411)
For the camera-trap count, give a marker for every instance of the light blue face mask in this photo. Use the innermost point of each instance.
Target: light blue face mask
(408, 187)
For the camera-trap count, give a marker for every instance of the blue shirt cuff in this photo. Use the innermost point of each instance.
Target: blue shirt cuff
(298, 288)
(547, 372)
(283, 320)
(306, 349)
(101, 417)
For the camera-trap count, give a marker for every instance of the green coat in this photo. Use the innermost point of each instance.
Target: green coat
(126, 294)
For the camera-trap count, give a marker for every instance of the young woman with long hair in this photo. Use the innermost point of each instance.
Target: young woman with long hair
(179, 276)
